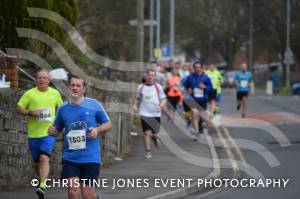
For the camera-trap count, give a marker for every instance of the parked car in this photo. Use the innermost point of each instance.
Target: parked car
(296, 89)
(229, 79)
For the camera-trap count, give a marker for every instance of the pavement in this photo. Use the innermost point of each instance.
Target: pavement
(178, 157)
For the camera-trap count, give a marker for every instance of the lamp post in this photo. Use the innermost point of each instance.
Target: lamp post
(158, 24)
(140, 31)
(172, 27)
(151, 30)
(250, 61)
(288, 55)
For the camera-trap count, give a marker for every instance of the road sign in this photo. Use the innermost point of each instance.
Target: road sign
(134, 22)
(166, 50)
(288, 56)
(157, 52)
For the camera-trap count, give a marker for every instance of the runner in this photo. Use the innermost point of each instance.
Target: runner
(185, 70)
(216, 80)
(179, 68)
(174, 93)
(242, 81)
(160, 78)
(150, 99)
(186, 97)
(39, 103)
(83, 119)
(199, 85)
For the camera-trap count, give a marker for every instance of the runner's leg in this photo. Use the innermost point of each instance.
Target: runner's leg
(244, 107)
(213, 105)
(239, 100)
(44, 168)
(195, 119)
(74, 192)
(88, 192)
(147, 135)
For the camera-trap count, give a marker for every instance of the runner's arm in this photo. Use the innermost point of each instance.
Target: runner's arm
(22, 111)
(136, 100)
(26, 112)
(104, 128)
(187, 85)
(236, 80)
(58, 125)
(208, 85)
(163, 103)
(221, 78)
(52, 131)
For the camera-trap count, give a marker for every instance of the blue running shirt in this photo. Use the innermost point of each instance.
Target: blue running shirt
(193, 81)
(243, 79)
(76, 120)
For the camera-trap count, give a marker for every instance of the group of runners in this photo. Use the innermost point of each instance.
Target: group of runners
(81, 119)
(166, 87)
(188, 89)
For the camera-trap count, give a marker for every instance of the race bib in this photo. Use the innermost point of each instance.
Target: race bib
(244, 83)
(77, 139)
(212, 79)
(45, 116)
(148, 96)
(198, 93)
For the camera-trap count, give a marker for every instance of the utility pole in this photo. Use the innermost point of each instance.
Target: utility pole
(172, 27)
(151, 30)
(158, 24)
(140, 31)
(250, 61)
(288, 55)
(210, 32)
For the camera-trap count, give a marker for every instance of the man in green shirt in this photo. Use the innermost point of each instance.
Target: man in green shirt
(40, 103)
(216, 80)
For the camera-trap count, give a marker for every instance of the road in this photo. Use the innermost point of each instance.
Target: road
(283, 113)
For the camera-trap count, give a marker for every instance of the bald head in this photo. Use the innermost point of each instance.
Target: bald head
(244, 66)
(42, 80)
(212, 67)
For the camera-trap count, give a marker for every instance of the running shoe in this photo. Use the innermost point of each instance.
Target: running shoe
(40, 192)
(148, 155)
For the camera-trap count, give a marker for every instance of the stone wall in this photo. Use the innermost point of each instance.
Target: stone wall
(15, 161)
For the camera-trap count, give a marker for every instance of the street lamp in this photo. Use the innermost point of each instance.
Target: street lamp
(158, 24)
(151, 30)
(250, 61)
(172, 27)
(288, 55)
(140, 31)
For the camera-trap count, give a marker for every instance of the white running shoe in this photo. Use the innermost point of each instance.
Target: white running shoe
(148, 155)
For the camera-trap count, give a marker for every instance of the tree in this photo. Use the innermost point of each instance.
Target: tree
(105, 27)
(14, 14)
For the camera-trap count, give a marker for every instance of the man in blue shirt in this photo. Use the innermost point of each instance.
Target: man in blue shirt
(199, 85)
(242, 81)
(276, 80)
(83, 120)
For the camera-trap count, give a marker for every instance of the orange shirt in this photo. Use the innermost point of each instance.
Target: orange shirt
(174, 83)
